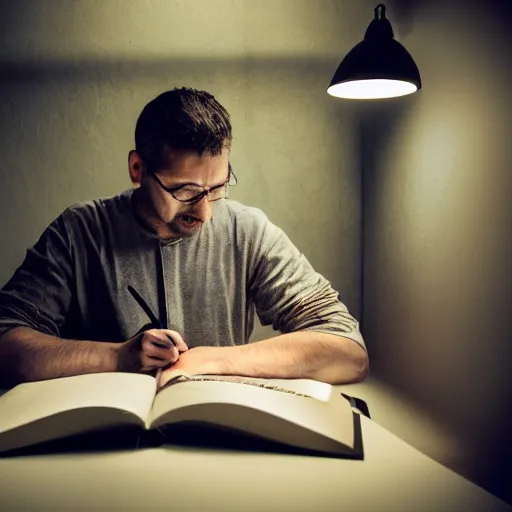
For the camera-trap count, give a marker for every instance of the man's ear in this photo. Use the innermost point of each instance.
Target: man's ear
(136, 167)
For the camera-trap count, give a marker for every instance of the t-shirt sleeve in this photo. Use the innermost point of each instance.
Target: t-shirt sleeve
(38, 295)
(291, 296)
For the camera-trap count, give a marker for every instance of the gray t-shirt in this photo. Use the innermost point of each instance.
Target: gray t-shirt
(74, 282)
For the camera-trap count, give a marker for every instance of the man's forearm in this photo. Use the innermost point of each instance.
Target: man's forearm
(27, 355)
(302, 354)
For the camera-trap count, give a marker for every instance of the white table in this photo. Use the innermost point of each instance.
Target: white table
(393, 477)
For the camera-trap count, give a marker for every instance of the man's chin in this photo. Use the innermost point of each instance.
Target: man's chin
(184, 228)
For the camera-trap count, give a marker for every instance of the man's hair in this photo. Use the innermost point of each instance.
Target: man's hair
(182, 119)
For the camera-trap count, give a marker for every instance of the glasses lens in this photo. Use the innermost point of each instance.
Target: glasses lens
(191, 194)
(187, 193)
(217, 193)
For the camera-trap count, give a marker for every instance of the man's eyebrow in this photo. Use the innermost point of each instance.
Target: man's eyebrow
(184, 184)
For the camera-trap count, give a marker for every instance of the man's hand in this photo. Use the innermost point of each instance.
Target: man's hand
(198, 360)
(150, 350)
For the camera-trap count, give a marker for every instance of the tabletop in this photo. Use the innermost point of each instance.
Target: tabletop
(393, 476)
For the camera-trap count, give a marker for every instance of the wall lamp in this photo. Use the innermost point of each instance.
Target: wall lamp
(377, 67)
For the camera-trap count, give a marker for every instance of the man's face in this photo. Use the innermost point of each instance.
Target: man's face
(170, 216)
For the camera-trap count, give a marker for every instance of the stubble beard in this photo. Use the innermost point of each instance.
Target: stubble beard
(177, 227)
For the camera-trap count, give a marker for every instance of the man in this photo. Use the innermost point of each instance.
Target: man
(175, 256)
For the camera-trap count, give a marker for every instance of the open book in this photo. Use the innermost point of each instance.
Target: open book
(300, 413)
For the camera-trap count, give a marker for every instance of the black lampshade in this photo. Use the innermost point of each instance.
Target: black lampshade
(377, 67)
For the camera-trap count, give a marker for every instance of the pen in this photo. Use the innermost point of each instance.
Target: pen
(157, 324)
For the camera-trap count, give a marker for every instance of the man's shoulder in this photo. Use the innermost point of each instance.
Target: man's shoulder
(245, 216)
(98, 210)
(95, 218)
(249, 225)
(99, 204)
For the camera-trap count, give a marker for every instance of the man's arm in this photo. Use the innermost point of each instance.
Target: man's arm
(27, 355)
(322, 339)
(33, 307)
(303, 354)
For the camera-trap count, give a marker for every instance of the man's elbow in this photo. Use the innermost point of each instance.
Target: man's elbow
(361, 366)
(351, 370)
(352, 367)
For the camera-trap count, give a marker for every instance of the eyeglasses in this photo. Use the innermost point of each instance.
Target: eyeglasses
(191, 194)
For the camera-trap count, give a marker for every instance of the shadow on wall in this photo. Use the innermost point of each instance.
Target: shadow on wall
(376, 123)
(403, 13)
(393, 340)
(457, 363)
(90, 69)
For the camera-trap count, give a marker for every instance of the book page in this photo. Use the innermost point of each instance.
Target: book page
(32, 401)
(273, 414)
(301, 387)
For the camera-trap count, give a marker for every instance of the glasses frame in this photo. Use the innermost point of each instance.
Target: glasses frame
(205, 192)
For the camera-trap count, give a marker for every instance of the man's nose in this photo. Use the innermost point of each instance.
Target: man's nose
(203, 210)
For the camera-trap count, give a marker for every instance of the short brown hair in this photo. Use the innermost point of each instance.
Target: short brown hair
(182, 119)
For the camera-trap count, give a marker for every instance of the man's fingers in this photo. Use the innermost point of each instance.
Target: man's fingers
(154, 348)
(167, 336)
(176, 338)
(157, 348)
(152, 363)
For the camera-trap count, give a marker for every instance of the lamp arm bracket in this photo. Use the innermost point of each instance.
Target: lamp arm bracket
(380, 12)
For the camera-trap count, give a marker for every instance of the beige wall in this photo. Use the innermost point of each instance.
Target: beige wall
(75, 76)
(438, 204)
